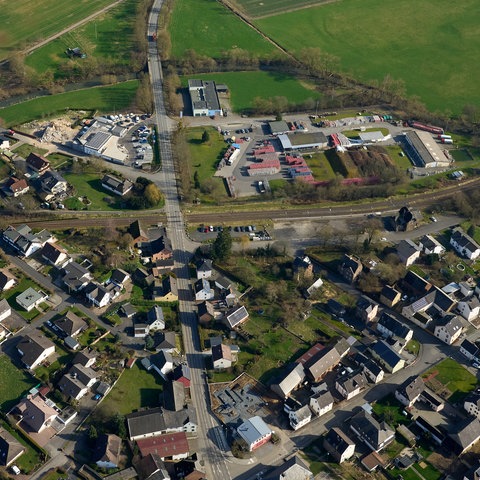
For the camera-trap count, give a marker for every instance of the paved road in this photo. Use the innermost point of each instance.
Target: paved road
(213, 458)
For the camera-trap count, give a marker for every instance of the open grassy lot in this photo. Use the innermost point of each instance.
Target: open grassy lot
(104, 99)
(375, 38)
(13, 384)
(256, 8)
(451, 378)
(245, 86)
(135, 389)
(320, 166)
(25, 150)
(210, 29)
(27, 22)
(108, 37)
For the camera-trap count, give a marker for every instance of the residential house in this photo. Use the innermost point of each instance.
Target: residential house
(302, 267)
(151, 467)
(206, 312)
(373, 371)
(351, 384)
(75, 277)
(473, 473)
(37, 163)
(221, 357)
(222, 283)
(255, 432)
(435, 402)
(174, 397)
(54, 254)
(321, 403)
(203, 290)
(85, 358)
(405, 221)
(138, 234)
(162, 363)
(374, 434)
(467, 434)
(184, 420)
(166, 341)
(34, 349)
(338, 445)
(71, 324)
(107, 451)
(144, 279)
(372, 461)
(472, 404)
(31, 298)
(408, 252)
(10, 448)
(53, 183)
(119, 278)
(464, 244)
(325, 361)
(166, 290)
(7, 280)
(181, 374)
(389, 327)
(299, 418)
(146, 423)
(5, 309)
(386, 356)
(469, 350)
(390, 296)
(24, 241)
(410, 390)
(236, 316)
(292, 469)
(204, 268)
(140, 328)
(163, 267)
(171, 446)
(36, 414)
(155, 319)
(366, 309)
(71, 343)
(76, 383)
(159, 249)
(97, 295)
(469, 307)
(350, 268)
(16, 187)
(415, 285)
(128, 310)
(116, 185)
(448, 329)
(431, 245)
(292, 377)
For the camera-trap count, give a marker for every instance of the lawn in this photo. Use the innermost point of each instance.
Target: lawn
(452, 376)
(14, 383)
(254, 8)
(108, 38)
(25, 150)
(390, 410)
(12, 294)
(431, 60)
(320, 166)
(135, 389)
(245, 86)
(104, 99)
(26, 22)
(210, 29)
(58, 160)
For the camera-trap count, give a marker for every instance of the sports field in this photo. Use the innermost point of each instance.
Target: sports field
(109, 38)
(24, 22)
(103, 99)
(259, 8)
(209, 28)
(428, 44)
(245, 86)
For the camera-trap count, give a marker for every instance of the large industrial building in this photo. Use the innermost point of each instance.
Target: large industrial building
(423, 151)
(204, 97)
(303, 141)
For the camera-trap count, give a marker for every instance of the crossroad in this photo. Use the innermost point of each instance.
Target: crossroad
(210, 434)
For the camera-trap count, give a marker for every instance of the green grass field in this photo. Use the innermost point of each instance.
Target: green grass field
(14, 383)
(104, 99)
(374, 39)
(257, 8)
(24, 22)
(108, 38)
(210, 29)
(135, 389)
(245, 86)
(320, 166)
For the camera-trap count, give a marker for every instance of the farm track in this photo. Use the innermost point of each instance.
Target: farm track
(75, 25)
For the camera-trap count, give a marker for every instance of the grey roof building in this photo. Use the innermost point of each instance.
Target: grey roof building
(292, 469)
(10, 448)
(374, 434)
(338, 445)
(291, 378)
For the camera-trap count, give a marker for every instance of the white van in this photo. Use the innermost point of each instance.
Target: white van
(16, 470)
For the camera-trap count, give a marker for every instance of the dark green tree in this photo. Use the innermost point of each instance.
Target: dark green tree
(205, 136)
(92, 434)
(149, 343)
(119, 425)
(222, 246)
(196, 180)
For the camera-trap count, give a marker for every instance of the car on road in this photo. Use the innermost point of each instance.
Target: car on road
(433, 219)
(97, 397)
(475, 365)
(210, 228)
(49, 323)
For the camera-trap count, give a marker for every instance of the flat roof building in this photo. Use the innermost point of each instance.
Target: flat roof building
(204, 98)
(301, 141)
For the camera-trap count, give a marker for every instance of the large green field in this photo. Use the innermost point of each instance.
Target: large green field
(258, 8)
(210, 29)
(103, 99)
(25, 22)
(14, 383)
(245, 86)
(109, 37)
(427, 44)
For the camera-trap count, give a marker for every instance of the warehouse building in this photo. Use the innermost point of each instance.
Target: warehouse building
(303, 141)
(204, 98)
(423, 151)
(278, 127)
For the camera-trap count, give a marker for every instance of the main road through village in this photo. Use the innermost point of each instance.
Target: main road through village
(209, 430)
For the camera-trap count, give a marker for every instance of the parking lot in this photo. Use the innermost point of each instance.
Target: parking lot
(254, 232)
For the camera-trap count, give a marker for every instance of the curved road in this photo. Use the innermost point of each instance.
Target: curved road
(209, 429)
